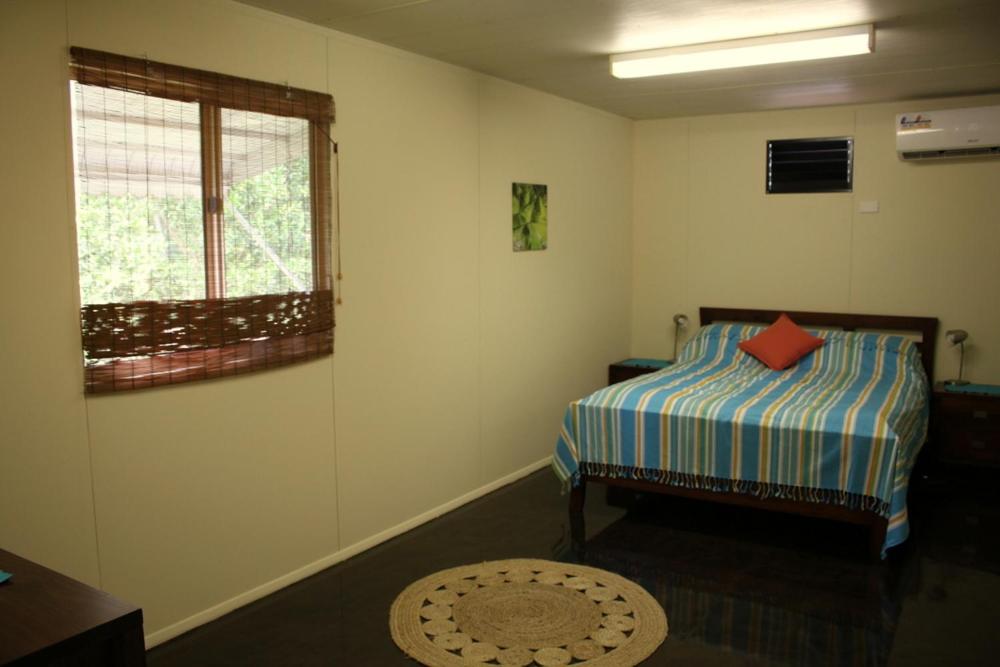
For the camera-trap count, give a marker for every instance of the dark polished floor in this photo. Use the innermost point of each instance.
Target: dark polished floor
(739, 587)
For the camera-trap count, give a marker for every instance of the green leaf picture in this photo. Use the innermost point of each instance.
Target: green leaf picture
(530, 204)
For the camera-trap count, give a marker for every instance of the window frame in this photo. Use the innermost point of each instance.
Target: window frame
(152, 343)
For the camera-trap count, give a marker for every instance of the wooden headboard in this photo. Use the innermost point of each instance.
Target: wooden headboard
(925, 326)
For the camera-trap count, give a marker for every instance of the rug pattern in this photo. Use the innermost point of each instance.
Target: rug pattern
(527, 613)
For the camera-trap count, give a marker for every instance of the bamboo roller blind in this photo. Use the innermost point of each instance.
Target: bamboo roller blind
(185, 84)
(203, 222)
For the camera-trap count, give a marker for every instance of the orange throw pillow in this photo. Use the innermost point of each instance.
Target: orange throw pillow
(781, 344)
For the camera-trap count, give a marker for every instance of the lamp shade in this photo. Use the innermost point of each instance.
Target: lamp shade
(680, 322)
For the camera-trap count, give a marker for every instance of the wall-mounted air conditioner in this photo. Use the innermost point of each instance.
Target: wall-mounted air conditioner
(952, 133)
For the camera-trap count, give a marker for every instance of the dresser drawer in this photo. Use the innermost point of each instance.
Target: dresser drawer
(618, 374)
(971, 411)
(633, 368)
(967, 442)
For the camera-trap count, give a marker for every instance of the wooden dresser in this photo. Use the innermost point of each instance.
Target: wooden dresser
(49, 619)
(966, 427)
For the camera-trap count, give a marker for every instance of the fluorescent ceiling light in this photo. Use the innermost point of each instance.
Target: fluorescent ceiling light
(790, 47)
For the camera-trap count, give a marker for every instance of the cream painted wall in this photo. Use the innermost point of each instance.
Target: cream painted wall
(406, 356)
(549, 317)
(707, 235)
(46, 504)
(203, 492)
(454, 357)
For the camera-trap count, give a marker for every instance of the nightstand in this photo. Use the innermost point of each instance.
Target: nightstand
(966, 426)
(631, 368)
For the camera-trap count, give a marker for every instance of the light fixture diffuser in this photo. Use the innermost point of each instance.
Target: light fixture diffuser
(789, 47)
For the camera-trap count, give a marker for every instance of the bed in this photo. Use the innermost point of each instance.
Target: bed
(834, 436)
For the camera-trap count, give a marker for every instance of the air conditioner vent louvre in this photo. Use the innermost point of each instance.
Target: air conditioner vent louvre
(952, 153)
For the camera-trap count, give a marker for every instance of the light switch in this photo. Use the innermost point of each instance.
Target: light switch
(868, 206)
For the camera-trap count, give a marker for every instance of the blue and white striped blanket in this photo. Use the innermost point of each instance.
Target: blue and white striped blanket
(843, 426)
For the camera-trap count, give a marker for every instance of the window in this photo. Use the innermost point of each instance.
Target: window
(810, 165)
(203, 222)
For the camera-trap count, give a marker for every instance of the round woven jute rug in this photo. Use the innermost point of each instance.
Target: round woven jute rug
(526, 613)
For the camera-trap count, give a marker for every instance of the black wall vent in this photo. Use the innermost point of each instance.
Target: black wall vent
(810, 165)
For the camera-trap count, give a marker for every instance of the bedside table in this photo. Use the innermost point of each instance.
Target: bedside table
(966, 426)
(631, 368)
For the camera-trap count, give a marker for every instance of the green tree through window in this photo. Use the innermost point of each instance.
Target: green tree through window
(141, 227)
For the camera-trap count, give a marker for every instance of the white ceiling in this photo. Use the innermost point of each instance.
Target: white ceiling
(924, 48)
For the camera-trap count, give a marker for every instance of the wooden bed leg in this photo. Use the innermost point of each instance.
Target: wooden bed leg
(876, 538)
(578, 536)
(577, 497)
(577, 524)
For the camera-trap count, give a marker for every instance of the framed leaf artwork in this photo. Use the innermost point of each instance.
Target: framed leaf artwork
(530, 203)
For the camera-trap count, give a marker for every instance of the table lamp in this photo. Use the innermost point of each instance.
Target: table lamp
(958, 337)
(680, 322)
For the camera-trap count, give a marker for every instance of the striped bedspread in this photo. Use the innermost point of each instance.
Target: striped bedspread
(842, 426)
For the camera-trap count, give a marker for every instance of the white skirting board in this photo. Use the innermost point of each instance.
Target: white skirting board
(223, 608)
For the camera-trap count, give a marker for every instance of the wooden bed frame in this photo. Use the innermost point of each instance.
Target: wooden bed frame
(877, 525)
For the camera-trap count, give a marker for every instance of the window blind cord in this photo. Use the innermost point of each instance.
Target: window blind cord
(336, 207)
